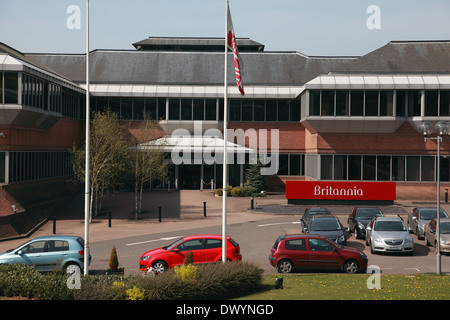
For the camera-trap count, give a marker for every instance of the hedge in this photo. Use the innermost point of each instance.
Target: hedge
(187, 282)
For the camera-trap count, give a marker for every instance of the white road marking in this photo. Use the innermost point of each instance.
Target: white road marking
(277, 223)
(154, 240)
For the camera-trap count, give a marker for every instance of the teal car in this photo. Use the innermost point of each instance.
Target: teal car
(49, 253)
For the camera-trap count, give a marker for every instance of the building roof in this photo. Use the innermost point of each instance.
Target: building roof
(174, 66)
(194, 44)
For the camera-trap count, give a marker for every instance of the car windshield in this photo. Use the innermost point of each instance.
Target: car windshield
(173, 244)
(444, 228)
(317, 213)
(429, 214)
(368, 213)
(325, 225)
(389, 226)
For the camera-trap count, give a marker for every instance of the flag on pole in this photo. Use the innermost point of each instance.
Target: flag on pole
(231, 41)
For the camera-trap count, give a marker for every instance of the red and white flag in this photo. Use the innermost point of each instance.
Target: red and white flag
(231, 41)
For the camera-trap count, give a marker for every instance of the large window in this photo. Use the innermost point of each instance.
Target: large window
(382, 167)
(10, 87)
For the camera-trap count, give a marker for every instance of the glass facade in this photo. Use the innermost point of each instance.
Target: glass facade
(414, 168)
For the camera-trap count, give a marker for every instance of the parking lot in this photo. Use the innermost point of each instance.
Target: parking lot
(255, 231)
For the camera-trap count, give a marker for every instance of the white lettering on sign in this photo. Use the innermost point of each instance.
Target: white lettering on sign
(330, 191)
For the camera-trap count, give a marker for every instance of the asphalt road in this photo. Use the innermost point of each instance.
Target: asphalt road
(255, 239)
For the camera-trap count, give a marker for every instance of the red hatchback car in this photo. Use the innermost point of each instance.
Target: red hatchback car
(205, 248)
(312, 252)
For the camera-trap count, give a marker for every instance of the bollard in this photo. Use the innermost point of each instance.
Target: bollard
(204, 208)
(159, 214)
(251, 203)
(446, 195)
(54, 225)
(109, 220)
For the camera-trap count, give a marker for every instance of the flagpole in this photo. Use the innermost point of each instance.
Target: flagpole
(225, 142)
(86, 182)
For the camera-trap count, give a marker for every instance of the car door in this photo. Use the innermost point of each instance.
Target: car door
(413, 218)
(195, 246)
(32, 254)
(322, 254)
(431, 232)
(56, 253)
(213, 250)
(297, 253)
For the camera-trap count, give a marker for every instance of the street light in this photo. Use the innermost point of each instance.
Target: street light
(442, 128)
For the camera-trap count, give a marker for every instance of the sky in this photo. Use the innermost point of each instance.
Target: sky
(313, 27)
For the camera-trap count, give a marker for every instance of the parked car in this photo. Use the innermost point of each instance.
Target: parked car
(309, 212)
(430, 234)
(359, 218)
(327, 226)
(49, 253)
(205, 248)
(388, 234)
(419, 217)
(315, 252)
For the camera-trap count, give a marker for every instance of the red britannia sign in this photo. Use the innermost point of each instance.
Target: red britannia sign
(341, 190)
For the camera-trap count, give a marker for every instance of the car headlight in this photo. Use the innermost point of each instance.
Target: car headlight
(363, 255)
(361, 226)
(377, 240)
(444, 242)
(341, 238)
(408, 240)
(145, 258)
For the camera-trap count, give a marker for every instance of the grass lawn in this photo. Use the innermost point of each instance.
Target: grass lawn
(354, 287)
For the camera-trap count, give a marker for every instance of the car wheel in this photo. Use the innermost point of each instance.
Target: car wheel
(351, 266)
(159, 266)
(72, 268)
(285, 266)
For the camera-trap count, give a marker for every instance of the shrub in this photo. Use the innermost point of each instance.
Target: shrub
(186, 272)
(247, 191)
(188, 258)
(219, 191)
(236, 192)
(135, 293)
(113, 259)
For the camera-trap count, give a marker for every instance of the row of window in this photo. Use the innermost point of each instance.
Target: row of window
(41, 94)
(35, 165)
(383, 167)
(199, 109)
(379, 103)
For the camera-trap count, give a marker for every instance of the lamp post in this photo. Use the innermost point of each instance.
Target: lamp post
(442, 129)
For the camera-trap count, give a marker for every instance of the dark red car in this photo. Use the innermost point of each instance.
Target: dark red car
(312, 252)
(205, 248)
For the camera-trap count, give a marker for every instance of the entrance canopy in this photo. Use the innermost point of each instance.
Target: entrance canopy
(194, 144)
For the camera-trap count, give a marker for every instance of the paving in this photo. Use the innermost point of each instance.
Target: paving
(180, 210)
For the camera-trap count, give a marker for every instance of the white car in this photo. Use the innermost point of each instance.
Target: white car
(389, 234)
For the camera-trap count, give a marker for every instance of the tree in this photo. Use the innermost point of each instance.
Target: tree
(254, 177)
(146, 160)
(108, 142)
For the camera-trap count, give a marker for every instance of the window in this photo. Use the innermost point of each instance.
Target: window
(57, 245)
(283, 164)
(386, 103)
(369, 167)
(444, 103)
(326, 167)
(354, 167)
(271, 110)
(213, 243)
(35, 247)
(431, 103)
(314, 103)
(342, 103)
(294, 164)
(11, 88)
(414, 103)
(162, 109)
(296, 244)
(383, 168)
(327, 103)
(174, 109)
(295, 110)
(340, 167)
(283, 110)
(398, 168)
(356, 103)
(371, 103)
(198, 109)
(400, 103)
(186, 109)
(235, 110)
(190, 245)
(126, 108)
(210, 109)
(320, 245)
(247, 110)
(259, 110)
(413, 168)
(427, 168)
